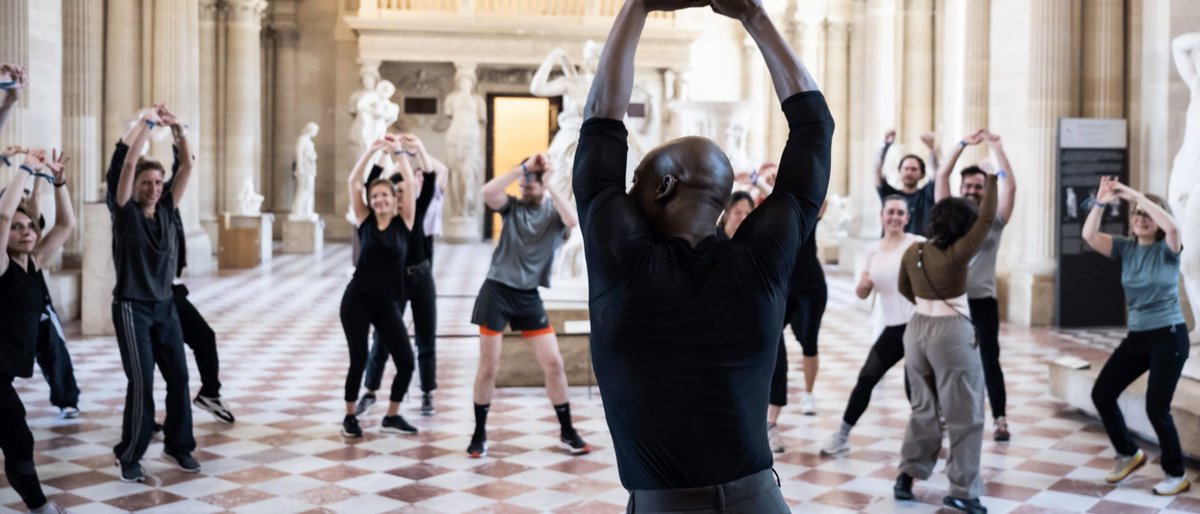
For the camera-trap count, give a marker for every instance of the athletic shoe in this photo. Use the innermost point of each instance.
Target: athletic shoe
(836, 444)
(49, 508)
(364, 404)
(970, 505)
(1000, 429)
(186, 463)
(350, 427)
(574, 444)
(903, 488)
(1172, 486)
(773, 438)
(427, 405)
(131, 472)
(1125, 466)
(478, 446)
(214, 406)
(808, 405)
(396, 425)
(68, 413)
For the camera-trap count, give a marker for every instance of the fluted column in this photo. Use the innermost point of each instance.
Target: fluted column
(14, 49)
(210, 156)
(284, 126)
(917, 84)
(879, 102)
(1104, 59)
(754, 87)
(836, 87)
(965, 79)
(83, 88)
(243, 99)
(123, 76)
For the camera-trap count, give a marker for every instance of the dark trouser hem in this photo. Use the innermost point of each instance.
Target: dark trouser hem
(985, 316)
(55, 362)
(757, 493)
(202, 340)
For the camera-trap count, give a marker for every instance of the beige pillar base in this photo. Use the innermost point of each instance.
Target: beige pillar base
(1030, 298)
(303, 236)
(200, 259)
(99, 277)
(245, 240)
(461, 230)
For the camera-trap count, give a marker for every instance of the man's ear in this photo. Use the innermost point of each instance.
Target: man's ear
(665, 188)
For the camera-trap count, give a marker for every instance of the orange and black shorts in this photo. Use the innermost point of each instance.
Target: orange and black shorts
(498, 305)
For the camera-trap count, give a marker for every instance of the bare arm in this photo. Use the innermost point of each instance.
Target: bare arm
(889, 137)
(9, 200)
(408, 198)
(13, 93)
(541, 85)
(355, 182)
(787, 72)
(493, 191)
(941, 188)
(1099, 241)
(935, 158)
(565, 208)
(125, 182)
(1008, 183)
(1161, 217)
(64, 212)
(183, 152)
(865, 285)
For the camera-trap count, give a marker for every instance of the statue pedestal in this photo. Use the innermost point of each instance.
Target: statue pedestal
(458, 229)
(245, 241)
(303, 236)
(99, 277)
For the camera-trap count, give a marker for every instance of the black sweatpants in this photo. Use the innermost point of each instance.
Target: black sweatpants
(55, 361)
(885, 353)
(16, 441)
(419, 290)
(148, 334)
(985, 316)
(1163, 352)
(804, 312)
(359, 313)
(201, 339)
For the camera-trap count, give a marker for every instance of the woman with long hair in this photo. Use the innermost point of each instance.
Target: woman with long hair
(1157, 341)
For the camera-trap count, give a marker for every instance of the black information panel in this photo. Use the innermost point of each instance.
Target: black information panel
(1088, 284)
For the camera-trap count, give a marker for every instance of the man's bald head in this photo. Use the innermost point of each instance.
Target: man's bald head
(682, 186)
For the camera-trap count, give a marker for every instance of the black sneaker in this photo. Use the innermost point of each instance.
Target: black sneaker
(396, 425)
(903, 488)
(350, 427)
(478, 446)
(214, 406)
(131, 472)
(364, 404)
(574, 444)
(186, 463)
(427, 405)
(971, 505)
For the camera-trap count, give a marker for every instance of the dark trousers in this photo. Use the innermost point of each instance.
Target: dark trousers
(55, 361)
(885, 353)
(752, 494)
(16, 441)
(804, 312)
(148, 334)
(1163, 352)
(985, 316)
(419, 290)
(359, 313)
(201, 339)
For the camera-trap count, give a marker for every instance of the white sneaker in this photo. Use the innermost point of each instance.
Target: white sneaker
(808, 405)
(836, 444)
(214, 406)
(1172, 486)
(68, 413)
(774, 440)
(49, 508)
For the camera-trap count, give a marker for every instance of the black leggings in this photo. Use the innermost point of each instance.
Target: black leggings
(359, 313)
(985, 315)
(419, 290)
(885, 353)
(201, 339)
(1162, 351)
(804, 312)
(16, 441)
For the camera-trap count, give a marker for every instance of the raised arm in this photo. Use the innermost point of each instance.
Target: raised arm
(787, 73)
(564, 207)
(541, 85)
(408, 193)
(1161, 217)
(493, 191)
(1184, 49)
(124, 190)
(183, 156)
(1005, 178)
(941, 188)
(354, 184)
(930, 140)
(10, 199)
(12, 91)
(889, 137)
(966, 246)
(1099, 241)
(64, 212)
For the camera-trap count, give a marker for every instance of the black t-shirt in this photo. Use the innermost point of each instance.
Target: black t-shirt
(684, 339)
(23, 297)
(113, 176)
(380, 268)
(145, 250)
(920, 203)
(420, 246)
(808, 275)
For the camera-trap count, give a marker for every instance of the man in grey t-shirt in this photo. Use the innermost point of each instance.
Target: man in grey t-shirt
(981, 274)
(533, 228)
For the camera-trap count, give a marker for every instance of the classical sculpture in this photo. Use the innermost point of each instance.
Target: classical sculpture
(1183, 189)
(464, 146)
(573, 87)
(305, 172)
(373, 111)
(249, 202)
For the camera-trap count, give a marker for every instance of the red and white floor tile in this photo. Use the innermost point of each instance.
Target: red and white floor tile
(283, 367)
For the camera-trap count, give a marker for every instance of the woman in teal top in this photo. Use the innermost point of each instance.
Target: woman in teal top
(1157, 340)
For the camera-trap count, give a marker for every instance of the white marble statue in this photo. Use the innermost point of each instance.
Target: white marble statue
(249, 202)
(305, 172)
(373, 111)
(1183, 190)
(573, 87)
(464, 147)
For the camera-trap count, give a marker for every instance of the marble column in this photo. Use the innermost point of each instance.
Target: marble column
(1104, 59)
(284, 126)
(1049, 95)
(14, 49)
(122, 77)
(965, 79)
(879, 102)
(836, 86)
(917, 84)
(243, 100)
(83, 88)
(754, 89)
(210, 155)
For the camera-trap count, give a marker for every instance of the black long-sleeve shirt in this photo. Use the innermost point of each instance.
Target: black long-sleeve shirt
(684, 338)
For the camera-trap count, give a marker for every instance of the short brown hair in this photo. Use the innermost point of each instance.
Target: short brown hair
(1158, 200)
(144, 165)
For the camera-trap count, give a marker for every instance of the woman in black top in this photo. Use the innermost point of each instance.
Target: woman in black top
(22, 303)
(384, 223)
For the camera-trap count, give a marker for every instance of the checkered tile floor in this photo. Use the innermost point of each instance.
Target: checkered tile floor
(284, 361)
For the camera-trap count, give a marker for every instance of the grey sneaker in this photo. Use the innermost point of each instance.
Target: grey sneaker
(131, 472)
(214, 406)
(427, 405)
(773, 438)
(186, 463)
(364, 404)
(835, 445)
